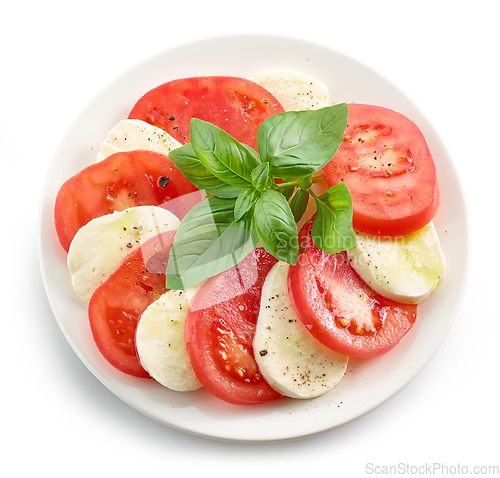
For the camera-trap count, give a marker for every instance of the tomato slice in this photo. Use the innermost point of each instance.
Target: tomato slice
(123, 180)
(236, 105)
(385, 162)
(117, 305)
(220, 328)
(339, 309)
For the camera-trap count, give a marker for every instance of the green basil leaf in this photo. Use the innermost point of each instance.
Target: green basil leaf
(276, 227)
(260, 176)
(305, 183)
(225, 157)
(245, 202)
(287, 192)
(332, 229)
(299, 143)
(298, 204)
(208, 241)
(193, 170)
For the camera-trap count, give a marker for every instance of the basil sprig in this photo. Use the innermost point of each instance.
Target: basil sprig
(258, 198)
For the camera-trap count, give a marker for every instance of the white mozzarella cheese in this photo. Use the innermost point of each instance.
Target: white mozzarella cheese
(132, 134)
(291, 360)
(295, 91)
(160, 341)
(402, 268)
(100, 246)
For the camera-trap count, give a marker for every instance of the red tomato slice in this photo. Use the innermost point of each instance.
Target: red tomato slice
(385, 162)
(236, 105)
(123, 180)
(220, 328)
(339, 309)
(117, 305)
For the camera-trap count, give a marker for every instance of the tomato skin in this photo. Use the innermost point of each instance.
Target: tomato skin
(117, 305)
(219, 332)
(325, 290)
(123, 180)
(385, 162)
(236, 105)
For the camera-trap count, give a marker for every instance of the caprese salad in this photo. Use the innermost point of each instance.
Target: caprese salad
(248, 237)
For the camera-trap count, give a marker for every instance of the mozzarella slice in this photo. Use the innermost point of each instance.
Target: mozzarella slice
(295, 91)
(100, 246)
(403, 268)
(131, 134)
(291, 360)
(160, 341)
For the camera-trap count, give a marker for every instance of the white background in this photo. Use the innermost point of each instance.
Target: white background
(56, 56)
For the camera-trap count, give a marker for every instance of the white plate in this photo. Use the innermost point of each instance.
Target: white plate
(368, 383)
